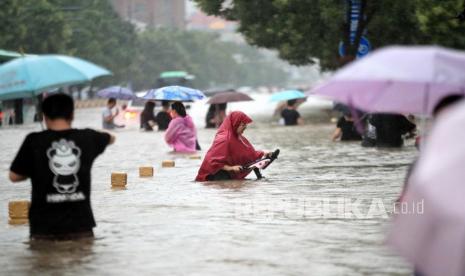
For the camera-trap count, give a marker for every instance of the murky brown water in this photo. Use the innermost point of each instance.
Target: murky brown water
(173, 226)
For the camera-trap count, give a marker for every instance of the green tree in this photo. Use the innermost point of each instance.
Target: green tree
(212, 61)
(437, 23)
(92, 30)
(99, 35)
(158, 51)
(33, 26)
(88, 29)
(305, 31)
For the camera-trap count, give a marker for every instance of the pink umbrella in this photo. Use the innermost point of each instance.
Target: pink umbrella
(398, 79)
(432, 236)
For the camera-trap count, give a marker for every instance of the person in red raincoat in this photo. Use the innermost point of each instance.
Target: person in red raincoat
(229, 151)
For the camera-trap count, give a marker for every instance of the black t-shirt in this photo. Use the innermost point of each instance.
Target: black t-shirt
(59, 165)
(208, 118)
(290, 117)
(145, 117)
(163, 120)
(390, 128)
(349, 132)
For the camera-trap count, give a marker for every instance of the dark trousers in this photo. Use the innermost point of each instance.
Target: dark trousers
(63, 237)
(220, 175)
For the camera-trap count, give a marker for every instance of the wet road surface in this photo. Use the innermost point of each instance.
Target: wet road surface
(318, 212)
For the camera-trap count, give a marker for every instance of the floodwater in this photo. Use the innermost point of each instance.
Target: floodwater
(300, 220)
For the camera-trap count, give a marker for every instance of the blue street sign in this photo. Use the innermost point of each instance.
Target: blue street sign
(363, 48)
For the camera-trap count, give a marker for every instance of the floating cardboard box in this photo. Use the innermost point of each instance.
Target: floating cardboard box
(167, 164)
(18, 211)
(145, 171)
(119, 179)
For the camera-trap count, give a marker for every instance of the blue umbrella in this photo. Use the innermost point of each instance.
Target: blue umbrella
(287, 95)
(117, 92)
(174, 93)
(31, 75)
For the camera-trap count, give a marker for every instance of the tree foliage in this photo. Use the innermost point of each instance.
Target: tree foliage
(25, 23)
(92, 30)
(437, 23)
(100, 35)
(211, 60)
(303, 31)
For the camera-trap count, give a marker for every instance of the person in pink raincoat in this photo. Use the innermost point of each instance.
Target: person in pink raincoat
(181, 133)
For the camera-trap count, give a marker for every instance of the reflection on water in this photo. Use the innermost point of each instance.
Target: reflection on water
(231, 184)
(59, 257)
(170, 224)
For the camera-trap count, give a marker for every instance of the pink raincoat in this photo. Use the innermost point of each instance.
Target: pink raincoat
(181, 134)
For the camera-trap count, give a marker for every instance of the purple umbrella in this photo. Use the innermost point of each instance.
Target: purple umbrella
(229, 96)
(398, 79)
(430, 231)
(117, 92)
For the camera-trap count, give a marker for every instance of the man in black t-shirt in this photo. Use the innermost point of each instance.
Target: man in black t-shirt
(58, 161)
(390, 128)
(163, 117)
(346, 130)
(290, 115)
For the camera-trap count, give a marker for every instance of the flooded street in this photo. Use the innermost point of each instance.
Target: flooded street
(297, 221)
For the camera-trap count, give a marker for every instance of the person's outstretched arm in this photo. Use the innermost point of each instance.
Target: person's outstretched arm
(171, 133)
(22, 166)
(337, 134)
(112, 138)
(14, 177)
(111, 116)
(235, 168)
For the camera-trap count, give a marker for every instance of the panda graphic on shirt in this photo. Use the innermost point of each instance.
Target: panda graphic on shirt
(64, 162)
